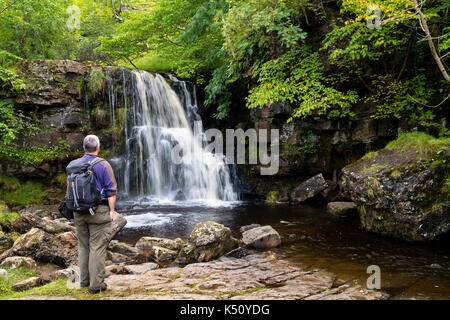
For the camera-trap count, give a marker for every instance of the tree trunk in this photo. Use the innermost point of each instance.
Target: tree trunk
(436, 57)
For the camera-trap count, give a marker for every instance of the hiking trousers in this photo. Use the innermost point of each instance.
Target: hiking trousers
(93, 233)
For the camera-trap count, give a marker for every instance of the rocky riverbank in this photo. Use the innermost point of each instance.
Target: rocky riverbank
(214, 266)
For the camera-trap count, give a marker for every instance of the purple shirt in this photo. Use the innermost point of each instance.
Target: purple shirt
(105, 180)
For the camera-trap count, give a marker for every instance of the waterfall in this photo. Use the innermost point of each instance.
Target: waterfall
(158, 118)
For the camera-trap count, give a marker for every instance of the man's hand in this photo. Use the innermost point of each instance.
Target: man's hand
(111, 214)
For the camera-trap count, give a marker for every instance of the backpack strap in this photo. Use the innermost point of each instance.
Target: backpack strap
(95, 161)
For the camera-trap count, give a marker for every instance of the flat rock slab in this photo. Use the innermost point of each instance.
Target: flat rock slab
(27, 284)
(256, 276)
(141, 268)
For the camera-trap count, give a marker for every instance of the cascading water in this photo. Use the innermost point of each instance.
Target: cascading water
(158, 118)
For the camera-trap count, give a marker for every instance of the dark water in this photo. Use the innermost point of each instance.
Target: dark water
(313, 239)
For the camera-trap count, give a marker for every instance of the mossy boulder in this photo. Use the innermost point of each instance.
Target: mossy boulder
(403, 190)
(208, 241)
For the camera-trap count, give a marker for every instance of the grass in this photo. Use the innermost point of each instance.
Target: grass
(424, 144)
(14, 276)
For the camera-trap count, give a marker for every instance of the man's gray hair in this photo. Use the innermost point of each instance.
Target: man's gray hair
(90, 143)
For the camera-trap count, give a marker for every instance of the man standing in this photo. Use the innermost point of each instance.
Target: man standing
(94, 231)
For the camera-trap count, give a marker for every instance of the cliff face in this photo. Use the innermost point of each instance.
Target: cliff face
(56, 95)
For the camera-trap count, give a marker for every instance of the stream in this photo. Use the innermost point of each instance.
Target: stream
(312, 240)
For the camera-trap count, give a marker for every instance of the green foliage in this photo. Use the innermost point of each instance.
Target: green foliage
(8, 183)
(27, 193)
(13, 123)
(298, 78)
(9, 216)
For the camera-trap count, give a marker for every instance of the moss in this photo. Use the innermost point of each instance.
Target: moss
(9, 183)
(60, 180)
(369, 155)
(373, 169)
(396, 174)
(97, 83)
(9, 216)
(27, 193)
(272, 196)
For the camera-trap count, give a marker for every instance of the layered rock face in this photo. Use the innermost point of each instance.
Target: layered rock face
(401, 193)
(57, 94)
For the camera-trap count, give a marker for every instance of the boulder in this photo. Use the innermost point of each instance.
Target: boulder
(118, 257)
(114, 269)
(3, 275)
(248, 227)
(149, 242)
(122, 248)
(50, 226)
(61, 249)
(27, 284)
(19, 262)
(402, 191)
(140, 268)
(309, 188)
(261, 238)
(159, 254)
(208, 240)
(342, 208)
(6, 241)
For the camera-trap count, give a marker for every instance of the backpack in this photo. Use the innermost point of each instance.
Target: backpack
(83, 195)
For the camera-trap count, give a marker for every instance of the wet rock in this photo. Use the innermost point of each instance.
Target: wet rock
(19, 262)
(122, 248)
(401, 193)
(27, 284)
(140, 268)
(61, 249)
(248, 227)
(208, 240)
(261, 238)
(50, 226)
(180, 196)
(149, 242)
(239, 252)
(342, 208)
(3, 275)
(309, 188)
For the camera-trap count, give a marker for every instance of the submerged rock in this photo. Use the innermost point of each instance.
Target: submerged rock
(261, 238)
(401, 192)
(342, 208)
(309, 188)
(208, 240)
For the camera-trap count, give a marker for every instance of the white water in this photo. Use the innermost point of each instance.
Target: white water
(156, 120)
